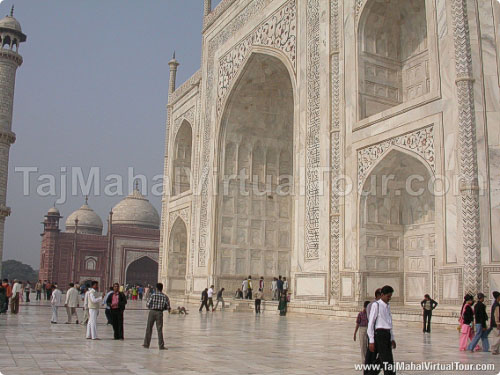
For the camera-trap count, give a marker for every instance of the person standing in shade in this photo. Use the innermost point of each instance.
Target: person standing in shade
(274, 289)
(116, 301)
(27, 291)
(204, 299)
(93, 302)
(282, 305)
(38, 290)
(107, 309)
(285, 286)
(481, 328)
(48, 290)
(279, 284)
(244, 288)
(55, 301)
(361, 327)
(220, 298)
(8, 294)
(428, 305)
(71, 302)
(44, 290)
(380, 334)
(258, 298)
(210, 293)
(378, 293)
(141, 292)
(250, 287)
(3, 298)
(85, 319)
(157, 304)
(466, 320)
(495, 325)
(16, 295)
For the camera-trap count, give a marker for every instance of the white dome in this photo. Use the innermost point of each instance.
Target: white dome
(136, 210)
(88, 221)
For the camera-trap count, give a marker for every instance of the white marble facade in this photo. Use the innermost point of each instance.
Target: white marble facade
(343, 144)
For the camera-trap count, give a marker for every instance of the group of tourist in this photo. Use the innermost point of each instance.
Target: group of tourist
(279, 291)
(10, 295)
(474, 325)
(115, 301)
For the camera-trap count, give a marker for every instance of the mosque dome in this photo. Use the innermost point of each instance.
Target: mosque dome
(135, 210)
(88, 221)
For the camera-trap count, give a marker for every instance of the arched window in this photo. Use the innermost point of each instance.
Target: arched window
(393, 54)
(90, 263)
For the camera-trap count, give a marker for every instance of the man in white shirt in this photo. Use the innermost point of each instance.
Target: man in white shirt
(274, 288)
(16, 295)
(378, 293)
(85, 319)
(93, 306)
(380, 334)
(244, 288)
(71, 303)
(55, 301)
(210, 298)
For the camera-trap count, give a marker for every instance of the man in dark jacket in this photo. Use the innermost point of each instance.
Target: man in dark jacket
(428, 304)
(480, 327)
(116, 302)
(204, 299)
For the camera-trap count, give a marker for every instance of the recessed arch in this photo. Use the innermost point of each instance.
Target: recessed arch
(142, 271)
(177, 256)
(396, 220)
(393, 54)
(181, 164)
(257, 121)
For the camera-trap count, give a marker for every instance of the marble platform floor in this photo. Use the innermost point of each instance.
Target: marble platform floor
(213, 343)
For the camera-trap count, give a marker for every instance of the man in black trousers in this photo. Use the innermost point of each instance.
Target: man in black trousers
(380, 335)
(428, 305)
(116, 302)
(204, 300)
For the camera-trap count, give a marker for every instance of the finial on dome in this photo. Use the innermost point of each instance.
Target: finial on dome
(12, 11)
(173, 56)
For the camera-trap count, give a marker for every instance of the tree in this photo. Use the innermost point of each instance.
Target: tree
(13, 269)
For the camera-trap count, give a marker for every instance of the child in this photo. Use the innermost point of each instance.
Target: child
(362, 326)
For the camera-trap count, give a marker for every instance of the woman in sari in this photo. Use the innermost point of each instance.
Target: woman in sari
(466, 322)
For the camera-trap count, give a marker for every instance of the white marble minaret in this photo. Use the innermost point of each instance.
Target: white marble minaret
(11, 36)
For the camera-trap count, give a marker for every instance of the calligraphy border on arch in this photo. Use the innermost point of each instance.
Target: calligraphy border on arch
(313, 127)
(203, 173)
(420, 141)
(279, 31)
(188, 116)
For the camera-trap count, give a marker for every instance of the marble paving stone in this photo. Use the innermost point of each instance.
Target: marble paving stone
(214, 343)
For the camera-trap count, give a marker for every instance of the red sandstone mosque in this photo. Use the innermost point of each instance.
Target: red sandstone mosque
(127, 253)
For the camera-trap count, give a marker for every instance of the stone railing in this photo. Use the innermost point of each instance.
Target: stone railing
(183, 89)
(216, 13)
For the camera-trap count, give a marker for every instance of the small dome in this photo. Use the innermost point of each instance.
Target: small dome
(135, 210)
(9, 22)
(88, 221)
(53, 211)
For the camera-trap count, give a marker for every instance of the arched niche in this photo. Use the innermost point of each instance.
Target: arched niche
(256, 144)
(177, 256)
(397, 226)
(393, 54)
(181, 171)
(142, 271)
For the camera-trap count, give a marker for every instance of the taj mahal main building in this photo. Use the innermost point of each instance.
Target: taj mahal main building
(344, 144)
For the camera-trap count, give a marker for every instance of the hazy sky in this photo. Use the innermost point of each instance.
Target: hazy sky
(92, 92)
